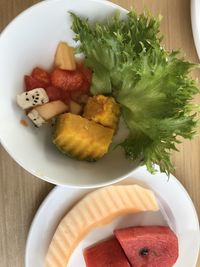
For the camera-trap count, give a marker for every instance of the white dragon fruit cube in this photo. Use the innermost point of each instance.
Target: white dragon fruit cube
(35, 117)
(32, 98)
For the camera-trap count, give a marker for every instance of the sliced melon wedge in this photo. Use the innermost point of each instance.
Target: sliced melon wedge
(51, 109)
(96, 209)
(64, 57)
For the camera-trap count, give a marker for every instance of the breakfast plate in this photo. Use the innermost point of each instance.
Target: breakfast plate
(176, 211)
(195, 10)
(114, 90)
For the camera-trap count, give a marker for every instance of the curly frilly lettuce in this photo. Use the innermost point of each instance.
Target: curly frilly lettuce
(151, 84)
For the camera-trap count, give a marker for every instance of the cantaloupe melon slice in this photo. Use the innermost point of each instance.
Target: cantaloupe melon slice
(97, 208)
(51, 109)
(64, 57)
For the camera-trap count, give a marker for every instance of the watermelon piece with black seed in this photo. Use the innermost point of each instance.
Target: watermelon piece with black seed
(149, 246)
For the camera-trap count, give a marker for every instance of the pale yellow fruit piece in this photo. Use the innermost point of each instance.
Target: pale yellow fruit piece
(81, 138)
(51, 109)
(64, 57)
(102, 109)
(96, 209)
(75, 108)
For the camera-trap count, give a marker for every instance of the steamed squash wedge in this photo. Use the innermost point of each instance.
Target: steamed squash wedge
(81, 138)
(102, 109)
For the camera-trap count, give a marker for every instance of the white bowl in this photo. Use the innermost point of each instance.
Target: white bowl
(28, 41)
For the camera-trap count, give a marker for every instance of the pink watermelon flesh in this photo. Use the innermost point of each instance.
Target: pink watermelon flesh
(149, 246)
(107, 253)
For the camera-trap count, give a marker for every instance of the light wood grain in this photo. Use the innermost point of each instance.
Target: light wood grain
(21, 193)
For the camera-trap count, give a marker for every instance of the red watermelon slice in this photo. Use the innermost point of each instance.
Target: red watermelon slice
(107, 253)
(149, 246)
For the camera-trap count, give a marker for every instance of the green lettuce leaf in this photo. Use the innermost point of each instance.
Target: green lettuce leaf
(151, 85)
(107, 46)
(157, 108)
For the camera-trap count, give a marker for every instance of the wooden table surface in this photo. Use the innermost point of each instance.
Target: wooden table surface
(21, 193)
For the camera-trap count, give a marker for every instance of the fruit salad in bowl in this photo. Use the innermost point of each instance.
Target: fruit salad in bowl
(83, 125)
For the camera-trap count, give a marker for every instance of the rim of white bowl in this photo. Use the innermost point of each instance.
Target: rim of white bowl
(4, 144)
(195, 9)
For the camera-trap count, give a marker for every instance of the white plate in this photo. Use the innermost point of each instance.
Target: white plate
(195, 16)
(176, 206)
